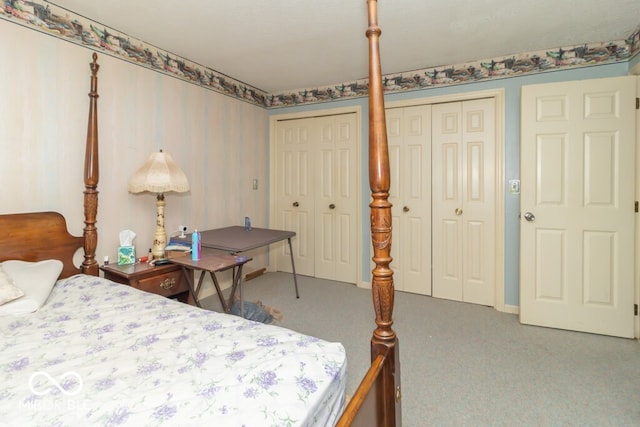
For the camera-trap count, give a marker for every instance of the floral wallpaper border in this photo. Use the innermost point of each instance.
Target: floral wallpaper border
(48, 18)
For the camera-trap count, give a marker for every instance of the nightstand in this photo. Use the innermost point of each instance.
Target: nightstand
(167, 280)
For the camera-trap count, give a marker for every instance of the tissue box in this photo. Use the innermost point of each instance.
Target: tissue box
(126, 255)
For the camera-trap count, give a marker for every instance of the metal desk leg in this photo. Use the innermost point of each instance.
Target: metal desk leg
(226, 307)
(194, 291)
(237, 283)
(293, 267)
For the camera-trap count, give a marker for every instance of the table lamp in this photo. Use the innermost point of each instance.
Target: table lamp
(159, 175)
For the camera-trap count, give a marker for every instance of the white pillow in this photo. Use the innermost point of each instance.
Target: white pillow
(35, 279)
(8, 290)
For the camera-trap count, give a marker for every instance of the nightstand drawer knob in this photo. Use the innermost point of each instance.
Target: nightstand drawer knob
(168, 283)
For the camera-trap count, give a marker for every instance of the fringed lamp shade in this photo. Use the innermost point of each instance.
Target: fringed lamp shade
(159, 175)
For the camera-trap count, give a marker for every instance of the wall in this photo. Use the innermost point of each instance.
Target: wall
(512, 88)
(220, 142)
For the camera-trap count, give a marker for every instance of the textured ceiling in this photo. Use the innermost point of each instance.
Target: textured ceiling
(278, 45)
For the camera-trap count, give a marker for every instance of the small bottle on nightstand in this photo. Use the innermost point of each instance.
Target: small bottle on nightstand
(195, 245)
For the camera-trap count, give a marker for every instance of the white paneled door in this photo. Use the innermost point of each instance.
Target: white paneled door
(409, 140)
(295, 192)
(336, 198)
(577, 205)
(317, 183)
(464, 174)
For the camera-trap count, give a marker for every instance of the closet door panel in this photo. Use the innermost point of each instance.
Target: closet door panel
(447, 201)
(409, 140)
(478, 217)
(295, 193)
(336, 203)
(464, 201)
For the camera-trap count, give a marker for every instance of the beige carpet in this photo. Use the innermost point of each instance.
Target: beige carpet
(469, 365)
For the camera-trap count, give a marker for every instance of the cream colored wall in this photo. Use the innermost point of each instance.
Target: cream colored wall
(221, 143)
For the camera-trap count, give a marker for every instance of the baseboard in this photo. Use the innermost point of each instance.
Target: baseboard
(513, 309)
(364, 285)
(254, 274)
(505, 308)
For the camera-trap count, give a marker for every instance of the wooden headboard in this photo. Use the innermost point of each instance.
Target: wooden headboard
(43, 235)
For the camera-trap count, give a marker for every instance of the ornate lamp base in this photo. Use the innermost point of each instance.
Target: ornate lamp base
(160, 236)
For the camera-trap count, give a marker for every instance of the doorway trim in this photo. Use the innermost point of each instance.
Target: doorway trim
(636, 72)
(273, 120)
(499, 96)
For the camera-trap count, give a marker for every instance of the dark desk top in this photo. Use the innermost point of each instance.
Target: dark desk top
(236, 239)
(211, 261)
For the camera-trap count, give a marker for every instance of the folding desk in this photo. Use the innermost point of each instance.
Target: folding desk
(214, 262)
(236, 239)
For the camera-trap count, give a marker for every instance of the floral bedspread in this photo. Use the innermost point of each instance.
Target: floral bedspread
(100, 353)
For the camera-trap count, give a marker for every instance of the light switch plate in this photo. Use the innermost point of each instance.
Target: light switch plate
(514, 186)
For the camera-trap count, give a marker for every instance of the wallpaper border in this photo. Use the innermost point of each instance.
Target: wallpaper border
(48, 18)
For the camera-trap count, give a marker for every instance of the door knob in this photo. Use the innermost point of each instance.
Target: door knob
(332, 206)
(458, 211)
(296, 204)
(405, 209)
(529, 217)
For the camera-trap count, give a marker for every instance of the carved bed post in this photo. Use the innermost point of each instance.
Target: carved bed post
(384, 340)
(91, 175)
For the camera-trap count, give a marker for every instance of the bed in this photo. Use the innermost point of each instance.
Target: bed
(98, 353)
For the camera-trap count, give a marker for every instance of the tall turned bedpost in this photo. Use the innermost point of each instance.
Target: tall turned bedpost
(91, 175)
(384, 338)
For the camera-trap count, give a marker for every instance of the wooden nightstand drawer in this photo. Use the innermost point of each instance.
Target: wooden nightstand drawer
(167, 280)
(167, 284)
